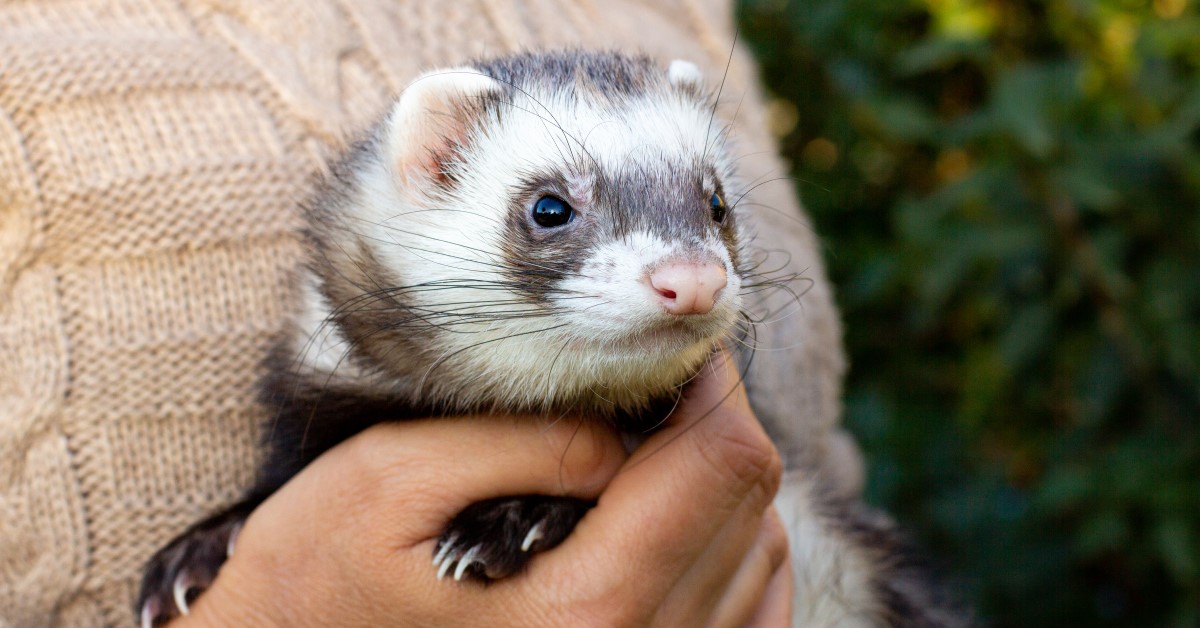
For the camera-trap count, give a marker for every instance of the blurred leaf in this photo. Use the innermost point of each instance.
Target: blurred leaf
(935, 54)
(1066, 489)
(877, 275)
(904, 119)
(1088, 184)
(1027, 335)
(1101, 383)
(1022, 105)
(1103, 533)
(1177, 544)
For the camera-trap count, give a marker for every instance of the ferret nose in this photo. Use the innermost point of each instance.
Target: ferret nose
(688, 287)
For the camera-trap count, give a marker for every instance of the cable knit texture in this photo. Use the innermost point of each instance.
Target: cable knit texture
(151, 156)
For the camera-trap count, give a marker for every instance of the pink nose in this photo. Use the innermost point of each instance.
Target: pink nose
(688, 287)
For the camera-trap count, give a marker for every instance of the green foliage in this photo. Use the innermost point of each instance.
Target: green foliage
(1008, 193)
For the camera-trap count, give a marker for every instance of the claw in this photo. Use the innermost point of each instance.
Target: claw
(465, 562)
(233, 536)
(441, 553)
(535, 533)
(149, 610)
(447, 561)
(179, 591)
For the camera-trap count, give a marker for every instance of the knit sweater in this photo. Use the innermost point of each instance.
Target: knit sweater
(152, 155)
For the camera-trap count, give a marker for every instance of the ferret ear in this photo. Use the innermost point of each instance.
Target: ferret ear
(432, 119)
(685, 74)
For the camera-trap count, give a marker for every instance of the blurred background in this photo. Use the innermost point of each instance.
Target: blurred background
(1008, 195)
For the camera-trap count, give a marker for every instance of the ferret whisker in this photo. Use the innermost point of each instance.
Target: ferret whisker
(752, 326)
(551, 119)
(760, 184)
(726, 132)
(755, 268)
(471, 324)
(596, 393)
(558, 354)
(562, 460)
(752, 153)
(731, 336)
(773, 286)
(331, 319)
(444, 358)
(750, 185)
(785, 279)
(427, 314)
(353, 343)
(707, 413)
(358, 265)
(486, 263)
(712, 114)
(770, 317)
(468, 316)
(310, 342)
(674, 405)
(598, 303)
(422, 210)
(468, 324)
(785, 284)
(792, 216)
(493, 264)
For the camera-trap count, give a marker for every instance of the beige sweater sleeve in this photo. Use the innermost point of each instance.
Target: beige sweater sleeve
(151, 155)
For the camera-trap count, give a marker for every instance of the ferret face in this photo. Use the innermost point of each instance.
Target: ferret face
(558, 231)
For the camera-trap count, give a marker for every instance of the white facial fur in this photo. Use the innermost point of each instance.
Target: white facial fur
(602, 332)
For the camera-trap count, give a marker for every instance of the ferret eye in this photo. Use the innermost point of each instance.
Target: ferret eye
(718, 207)
(552, 212)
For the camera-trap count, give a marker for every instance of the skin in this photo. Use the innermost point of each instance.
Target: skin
(684, 533)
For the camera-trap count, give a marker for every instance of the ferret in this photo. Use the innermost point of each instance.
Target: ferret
(543, 233)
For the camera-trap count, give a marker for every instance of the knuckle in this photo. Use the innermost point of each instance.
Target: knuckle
(587, 454)
(379, 466)
(775, 539)
(612, 590)
(774, 474)
(597, 601)
(743, 452)
(368, 455)
(613, 610)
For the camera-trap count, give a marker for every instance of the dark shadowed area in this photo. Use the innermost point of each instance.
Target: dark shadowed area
(1009, 198)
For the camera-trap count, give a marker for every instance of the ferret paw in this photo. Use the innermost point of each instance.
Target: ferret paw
(176, 575)
(494, 539)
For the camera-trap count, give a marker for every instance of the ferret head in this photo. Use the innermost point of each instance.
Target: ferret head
(539, 231)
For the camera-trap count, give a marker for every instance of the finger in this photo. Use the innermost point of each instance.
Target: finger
(776, 607)
(492, 457)
(703, 587)
(750, 594)
(378, 501)
(676, 493)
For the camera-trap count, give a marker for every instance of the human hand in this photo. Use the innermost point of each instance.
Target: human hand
(683, 532)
